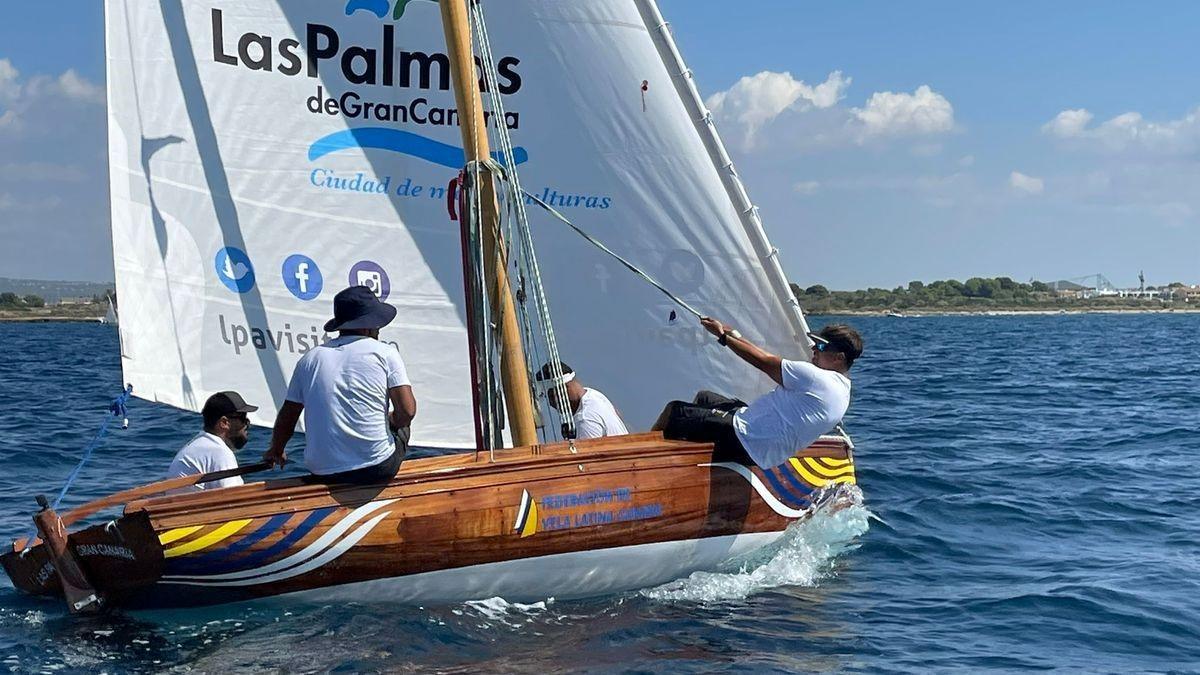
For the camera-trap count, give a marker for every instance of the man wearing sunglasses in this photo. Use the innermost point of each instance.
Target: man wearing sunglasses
(809, 401)
(226, 429)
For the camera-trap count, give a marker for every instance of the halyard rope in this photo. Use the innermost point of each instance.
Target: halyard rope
(633, 268)
(115, 409)
(526, 256)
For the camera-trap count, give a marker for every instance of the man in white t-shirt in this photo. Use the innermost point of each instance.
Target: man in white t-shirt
(226, 429)
(592, 413)
(343, 387)
(810, 400)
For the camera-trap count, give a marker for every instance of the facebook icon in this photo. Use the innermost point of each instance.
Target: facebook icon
(302, 276)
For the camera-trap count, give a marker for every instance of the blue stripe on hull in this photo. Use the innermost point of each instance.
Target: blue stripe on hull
(784, 494)
(254, 559)
(206, 562)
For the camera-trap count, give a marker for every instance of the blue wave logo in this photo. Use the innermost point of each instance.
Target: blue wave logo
(403, 142)
(378, 7)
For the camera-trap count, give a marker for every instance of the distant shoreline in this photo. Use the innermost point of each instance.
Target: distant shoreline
(945, 311)
(50, 319)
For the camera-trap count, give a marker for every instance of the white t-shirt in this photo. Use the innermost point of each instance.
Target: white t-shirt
(810, 402)
(204, 454)
(343, 386)
(597, 417)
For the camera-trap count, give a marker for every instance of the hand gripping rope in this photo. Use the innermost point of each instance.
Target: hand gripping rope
(116, 409)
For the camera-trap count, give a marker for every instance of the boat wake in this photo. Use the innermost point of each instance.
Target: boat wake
(803, 556)
(512, 614)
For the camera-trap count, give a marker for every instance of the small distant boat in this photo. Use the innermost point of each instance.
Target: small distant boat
(110, 316)
(895, 315)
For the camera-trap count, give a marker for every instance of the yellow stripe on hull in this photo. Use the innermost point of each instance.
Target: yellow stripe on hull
(832, 461)
(176, 534)
(221, 533)
(815, 480)
(824, 471)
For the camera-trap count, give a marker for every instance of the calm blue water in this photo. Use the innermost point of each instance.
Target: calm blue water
(1036, 482)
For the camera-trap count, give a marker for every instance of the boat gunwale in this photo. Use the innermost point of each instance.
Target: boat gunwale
(650, 446)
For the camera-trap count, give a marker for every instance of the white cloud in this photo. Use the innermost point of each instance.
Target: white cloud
(1026, 184)
(806, 187)
(1128, 132)
(54, 206)
(10, 88)
(791, 114)
(28, 100)
(899, 114)
(74, 86)
(757, 99)
(1068, 123)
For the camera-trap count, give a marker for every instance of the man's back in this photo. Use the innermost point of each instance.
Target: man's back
(597, 417)
(343, 386)
(810, 402)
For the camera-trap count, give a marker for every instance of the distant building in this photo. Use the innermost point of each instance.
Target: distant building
(74, 301)
(1189, 294)
(1142, 294)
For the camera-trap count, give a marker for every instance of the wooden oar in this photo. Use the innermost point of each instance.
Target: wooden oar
(81, 512)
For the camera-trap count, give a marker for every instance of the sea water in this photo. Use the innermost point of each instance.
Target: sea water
(1031, 499)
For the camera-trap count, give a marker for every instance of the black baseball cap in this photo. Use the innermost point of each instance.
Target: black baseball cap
(225, 403)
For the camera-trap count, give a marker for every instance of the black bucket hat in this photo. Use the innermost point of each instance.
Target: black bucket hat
(358, 307)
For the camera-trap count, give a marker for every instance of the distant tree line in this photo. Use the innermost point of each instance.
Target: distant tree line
(14, 301)
(976, 292)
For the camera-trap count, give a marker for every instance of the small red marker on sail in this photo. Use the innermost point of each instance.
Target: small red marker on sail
(645, 88)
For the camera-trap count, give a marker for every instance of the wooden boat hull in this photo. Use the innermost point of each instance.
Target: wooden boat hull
(548, 521)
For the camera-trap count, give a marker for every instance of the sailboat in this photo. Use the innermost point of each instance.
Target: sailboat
(266, 154)
(110, 315)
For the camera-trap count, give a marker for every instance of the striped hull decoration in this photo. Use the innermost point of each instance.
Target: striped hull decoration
(793, 487)
(204, 555)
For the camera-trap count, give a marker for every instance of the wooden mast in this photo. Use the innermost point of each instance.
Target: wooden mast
(514, 375)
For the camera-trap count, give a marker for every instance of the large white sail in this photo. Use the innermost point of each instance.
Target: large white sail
(265, 155)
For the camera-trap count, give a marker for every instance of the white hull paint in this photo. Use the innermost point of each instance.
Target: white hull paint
(562, 576)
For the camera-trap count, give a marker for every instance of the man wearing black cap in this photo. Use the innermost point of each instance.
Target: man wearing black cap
(225, 429)
(343, 388)
(810, 400)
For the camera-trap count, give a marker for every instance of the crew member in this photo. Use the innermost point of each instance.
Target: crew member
(810, 400)
(343, 388)
(591, 411)
(226, 429)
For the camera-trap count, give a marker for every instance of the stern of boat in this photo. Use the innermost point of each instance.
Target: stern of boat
(113, 559)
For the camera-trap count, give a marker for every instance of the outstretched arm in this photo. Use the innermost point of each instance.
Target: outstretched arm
(749, 352)
(285, 426)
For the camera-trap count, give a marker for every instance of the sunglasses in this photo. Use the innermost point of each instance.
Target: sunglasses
(825, 347)
(241, 417)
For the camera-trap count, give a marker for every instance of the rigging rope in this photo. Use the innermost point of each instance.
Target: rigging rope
(116, 409)
(528, 272)
(633, 268)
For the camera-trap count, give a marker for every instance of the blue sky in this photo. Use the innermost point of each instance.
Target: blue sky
(883, 141)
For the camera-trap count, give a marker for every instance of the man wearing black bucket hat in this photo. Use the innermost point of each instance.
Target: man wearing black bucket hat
(226, 429)
(343, 387)
(810, 400)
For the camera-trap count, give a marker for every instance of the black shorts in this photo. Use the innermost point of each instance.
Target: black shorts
(369, 475)
(708, 418)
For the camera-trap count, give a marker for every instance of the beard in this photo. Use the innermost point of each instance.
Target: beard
(240, 442)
